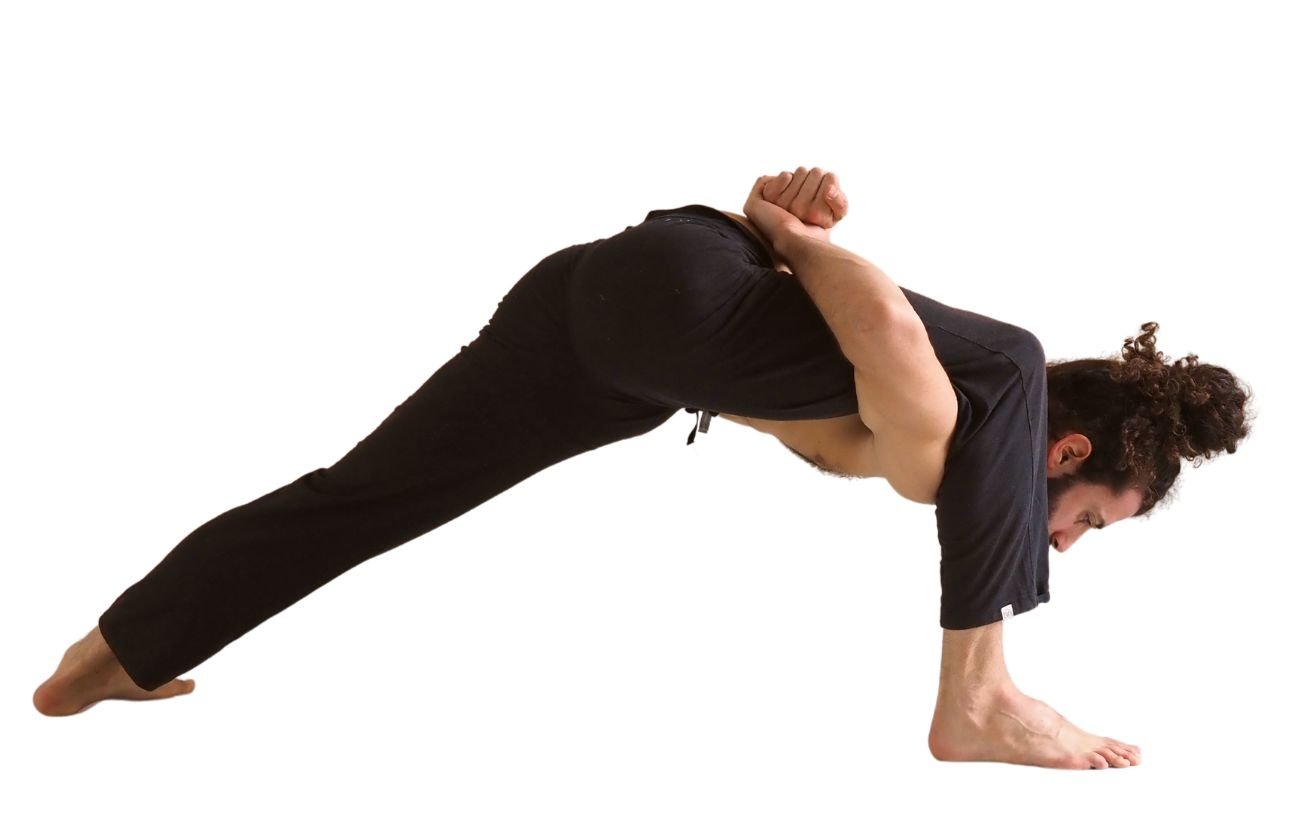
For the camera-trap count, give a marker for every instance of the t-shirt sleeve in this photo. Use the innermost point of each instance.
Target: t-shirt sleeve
(990, 509)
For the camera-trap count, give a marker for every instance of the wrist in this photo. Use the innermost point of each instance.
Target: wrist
(781, 242)
(797, 248)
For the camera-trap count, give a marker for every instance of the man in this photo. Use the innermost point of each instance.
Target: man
(604, 341)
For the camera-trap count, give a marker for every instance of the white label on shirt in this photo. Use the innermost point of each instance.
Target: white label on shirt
(1007, 612)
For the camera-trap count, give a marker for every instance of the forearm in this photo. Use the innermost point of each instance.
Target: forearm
(854, 296)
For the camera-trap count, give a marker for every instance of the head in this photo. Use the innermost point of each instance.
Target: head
(1118, 429)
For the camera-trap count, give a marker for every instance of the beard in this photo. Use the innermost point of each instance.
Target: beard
(1056, 488)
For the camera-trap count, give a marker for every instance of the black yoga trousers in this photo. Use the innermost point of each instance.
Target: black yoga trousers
(598, 342)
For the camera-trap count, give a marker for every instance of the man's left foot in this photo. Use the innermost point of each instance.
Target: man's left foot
(90, 673)
(1008, 726)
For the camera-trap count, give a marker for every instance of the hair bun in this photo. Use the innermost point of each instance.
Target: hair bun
(1143, 347)
(1144, 415)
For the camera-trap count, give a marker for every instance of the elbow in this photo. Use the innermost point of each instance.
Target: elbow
(897, 315)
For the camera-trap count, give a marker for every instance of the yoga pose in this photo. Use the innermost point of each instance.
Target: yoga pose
(761, 320)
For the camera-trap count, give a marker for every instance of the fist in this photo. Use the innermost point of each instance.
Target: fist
(812, 196)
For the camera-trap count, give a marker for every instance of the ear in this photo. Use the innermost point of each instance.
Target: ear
(1067, 454)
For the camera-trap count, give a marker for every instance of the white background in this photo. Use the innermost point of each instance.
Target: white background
(234, 236)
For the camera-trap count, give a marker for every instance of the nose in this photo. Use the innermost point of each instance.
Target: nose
(1063, 542)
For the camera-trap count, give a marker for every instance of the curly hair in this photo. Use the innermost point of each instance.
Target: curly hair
(1144, 415)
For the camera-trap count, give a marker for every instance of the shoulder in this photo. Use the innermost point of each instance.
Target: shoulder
(1025, 349)
(970, 332)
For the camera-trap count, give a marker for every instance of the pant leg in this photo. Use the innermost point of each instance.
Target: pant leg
(513, 402)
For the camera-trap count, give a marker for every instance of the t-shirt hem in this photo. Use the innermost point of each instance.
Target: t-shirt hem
(992, 615)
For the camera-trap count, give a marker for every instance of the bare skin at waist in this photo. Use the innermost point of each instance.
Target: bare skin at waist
(841, 446)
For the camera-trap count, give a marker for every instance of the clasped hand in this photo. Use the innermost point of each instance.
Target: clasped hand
(805, 203)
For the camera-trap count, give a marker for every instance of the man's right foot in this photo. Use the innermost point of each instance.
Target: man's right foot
(90, 673)
(1011, 727)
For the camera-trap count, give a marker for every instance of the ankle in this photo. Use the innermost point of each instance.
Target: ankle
(977, 696)
(92, 653)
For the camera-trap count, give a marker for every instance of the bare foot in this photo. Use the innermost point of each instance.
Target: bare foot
(1011, 727)
(90, 673)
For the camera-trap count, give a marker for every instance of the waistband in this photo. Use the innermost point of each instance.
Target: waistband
(703, 214)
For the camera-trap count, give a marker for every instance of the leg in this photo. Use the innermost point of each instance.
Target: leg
(512, 403)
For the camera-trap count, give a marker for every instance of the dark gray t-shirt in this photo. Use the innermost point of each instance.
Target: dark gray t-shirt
(991, 508)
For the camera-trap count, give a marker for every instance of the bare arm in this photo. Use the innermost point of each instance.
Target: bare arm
(902, 387)
(794, 213)
(852, 294)
(904, 395)
(821, 206)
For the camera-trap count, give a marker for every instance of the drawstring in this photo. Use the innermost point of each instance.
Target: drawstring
(702, 418)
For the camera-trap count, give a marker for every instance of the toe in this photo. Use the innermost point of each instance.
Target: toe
(1095, 761)
(1112, 757)
(173, 688)
(1124, 752)
(1132, 752)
